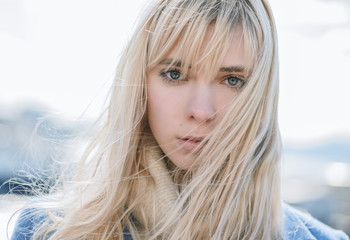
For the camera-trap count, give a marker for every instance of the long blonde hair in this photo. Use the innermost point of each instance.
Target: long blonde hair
(234, 192)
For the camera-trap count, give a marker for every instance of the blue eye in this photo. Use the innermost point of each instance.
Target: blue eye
(234, 81)
(174, 74)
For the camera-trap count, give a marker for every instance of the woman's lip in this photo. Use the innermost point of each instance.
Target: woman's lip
(192, 138)
(191, 143)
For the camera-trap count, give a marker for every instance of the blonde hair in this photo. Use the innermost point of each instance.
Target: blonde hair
(234, 192)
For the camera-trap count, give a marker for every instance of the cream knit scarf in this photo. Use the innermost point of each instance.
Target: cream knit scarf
(159, 200)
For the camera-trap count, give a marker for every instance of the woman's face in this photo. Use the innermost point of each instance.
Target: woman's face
(183, 110)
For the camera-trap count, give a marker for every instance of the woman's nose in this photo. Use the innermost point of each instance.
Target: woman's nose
(201, 106)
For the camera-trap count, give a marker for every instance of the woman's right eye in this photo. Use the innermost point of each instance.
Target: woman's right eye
(171, 75)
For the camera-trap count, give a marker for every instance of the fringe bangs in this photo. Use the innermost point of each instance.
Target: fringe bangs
(183, 24)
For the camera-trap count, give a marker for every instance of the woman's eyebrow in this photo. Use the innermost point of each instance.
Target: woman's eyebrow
(171, 61)
(232, 69)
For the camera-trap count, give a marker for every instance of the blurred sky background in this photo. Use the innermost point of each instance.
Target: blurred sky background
(63, 53)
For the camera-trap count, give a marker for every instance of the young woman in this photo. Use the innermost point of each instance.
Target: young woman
(190, 146)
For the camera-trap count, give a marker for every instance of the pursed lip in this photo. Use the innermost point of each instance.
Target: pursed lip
(190, 143)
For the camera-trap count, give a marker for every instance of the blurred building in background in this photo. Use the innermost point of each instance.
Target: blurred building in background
(32, 144)
(317, 179)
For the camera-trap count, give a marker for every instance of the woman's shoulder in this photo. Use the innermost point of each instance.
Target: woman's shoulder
(31, 219)
(27, 222)
(33, 216)
(300, 225)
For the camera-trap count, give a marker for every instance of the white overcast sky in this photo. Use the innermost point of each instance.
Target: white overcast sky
(62, 53)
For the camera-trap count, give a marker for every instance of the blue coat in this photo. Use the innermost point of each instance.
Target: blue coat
(297, 226)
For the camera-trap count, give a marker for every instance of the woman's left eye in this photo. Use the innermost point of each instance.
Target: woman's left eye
(234, 81)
